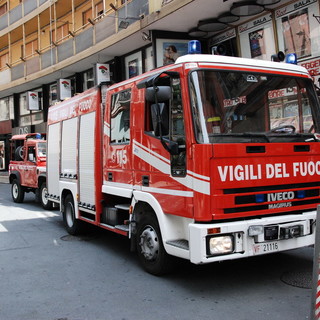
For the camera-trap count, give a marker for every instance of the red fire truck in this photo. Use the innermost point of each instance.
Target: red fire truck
(208, 159)
(27, 168)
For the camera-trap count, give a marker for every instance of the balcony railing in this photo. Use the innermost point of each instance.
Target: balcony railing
(104, 26)
(20, 11)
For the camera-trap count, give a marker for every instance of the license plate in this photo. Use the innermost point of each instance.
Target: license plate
(266, 247)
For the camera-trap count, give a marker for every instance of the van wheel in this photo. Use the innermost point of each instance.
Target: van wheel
(46, 204)
(151, 252)
(72, 225)
(17, 191)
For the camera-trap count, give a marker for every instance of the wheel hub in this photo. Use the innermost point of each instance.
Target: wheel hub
(149, 243)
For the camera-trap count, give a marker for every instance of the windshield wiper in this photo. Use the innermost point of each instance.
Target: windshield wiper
(243, 134)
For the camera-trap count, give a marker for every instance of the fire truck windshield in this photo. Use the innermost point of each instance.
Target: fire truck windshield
(42, 147)
(252, 107)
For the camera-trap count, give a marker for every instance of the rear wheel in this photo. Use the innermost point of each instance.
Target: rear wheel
(46, 204)
(72, 225)
(17, 191)
(151, 252)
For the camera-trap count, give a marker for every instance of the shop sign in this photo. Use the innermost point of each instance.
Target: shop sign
(313, 66)
(293, 6)
(64, 89)
(33, 101)
(255, 23)
(224, 36)
(102, 73)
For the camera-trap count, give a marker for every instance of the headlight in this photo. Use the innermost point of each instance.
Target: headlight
(220, 245)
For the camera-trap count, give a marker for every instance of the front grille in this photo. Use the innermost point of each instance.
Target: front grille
(272, 188)
(276, 198)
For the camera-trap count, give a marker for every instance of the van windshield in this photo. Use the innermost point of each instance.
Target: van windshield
(252, 107)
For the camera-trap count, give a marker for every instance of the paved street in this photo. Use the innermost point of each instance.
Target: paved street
(48, 275)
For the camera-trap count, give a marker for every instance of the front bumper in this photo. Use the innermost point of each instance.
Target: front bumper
(245, 245)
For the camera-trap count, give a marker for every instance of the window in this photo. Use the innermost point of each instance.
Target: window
(53, 97)
(120, 117)
(257, 38)
(85, 16)
(296, 29)
(4, 109)
(88, 79)
(3, 9)
(60, 33)
(99, 9)
(4, 59)
(30, 48)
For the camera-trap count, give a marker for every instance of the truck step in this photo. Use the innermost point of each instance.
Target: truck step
(123, 206)
(122, 227)
(181, 243)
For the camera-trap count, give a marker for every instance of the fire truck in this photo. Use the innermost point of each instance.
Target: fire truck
(211, 158)
(27, 167)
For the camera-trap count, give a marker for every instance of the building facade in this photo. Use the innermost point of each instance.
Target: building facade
(53, 49)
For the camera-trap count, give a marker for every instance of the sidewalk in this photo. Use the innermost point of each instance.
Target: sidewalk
(4, 177)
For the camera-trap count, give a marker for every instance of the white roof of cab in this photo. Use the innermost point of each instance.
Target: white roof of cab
(243, 62)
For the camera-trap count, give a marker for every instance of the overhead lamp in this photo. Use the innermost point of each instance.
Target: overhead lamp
(123, 24)
(246, 8)
(146, 36)
(211, 25)
(267, 2)
(228, 17)
(195, 32)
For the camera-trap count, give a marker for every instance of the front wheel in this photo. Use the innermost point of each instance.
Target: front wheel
(151, 252)
(17, 191)
(46, 204)
(72, 225)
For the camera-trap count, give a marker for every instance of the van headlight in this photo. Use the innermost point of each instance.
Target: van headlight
(221, 244)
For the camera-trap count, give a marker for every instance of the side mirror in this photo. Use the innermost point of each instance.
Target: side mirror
(31, 157)
(159, 94)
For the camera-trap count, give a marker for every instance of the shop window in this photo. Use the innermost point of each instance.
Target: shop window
(4, 109)
(88, 79)
(257, 38)
(53, 94)
(27, 117)
(120, 117)
(294, 30)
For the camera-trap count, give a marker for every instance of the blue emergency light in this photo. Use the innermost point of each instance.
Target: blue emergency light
(301, 194)
(291, 58)
(259, 198)
(194, 47)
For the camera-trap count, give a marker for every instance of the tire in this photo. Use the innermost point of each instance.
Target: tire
(17, 191)
(19, 154)
(150, 249)
(46, 204)
(72, 225)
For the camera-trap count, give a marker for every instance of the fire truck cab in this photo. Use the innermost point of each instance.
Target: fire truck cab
(27, 168)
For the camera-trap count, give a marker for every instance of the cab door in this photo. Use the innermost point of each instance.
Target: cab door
(118, 146)
(30, 172)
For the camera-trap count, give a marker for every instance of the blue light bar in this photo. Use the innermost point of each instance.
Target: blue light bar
(291, 58)
(194, 47)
